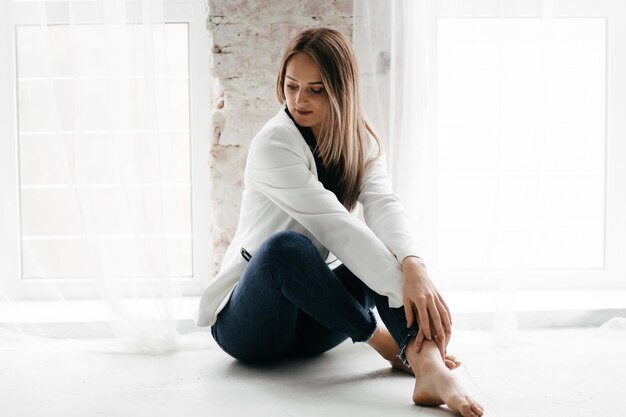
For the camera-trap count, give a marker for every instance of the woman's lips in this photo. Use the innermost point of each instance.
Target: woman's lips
(303, 112)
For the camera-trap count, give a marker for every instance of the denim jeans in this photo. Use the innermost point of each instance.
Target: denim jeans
(289, 303)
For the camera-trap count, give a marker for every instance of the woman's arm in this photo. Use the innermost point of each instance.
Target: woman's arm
(385, 215)
(278, 168)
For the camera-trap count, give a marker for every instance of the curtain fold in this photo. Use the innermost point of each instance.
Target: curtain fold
(494, 115)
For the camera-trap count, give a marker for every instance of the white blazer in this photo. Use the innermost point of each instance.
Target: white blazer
(282, 192)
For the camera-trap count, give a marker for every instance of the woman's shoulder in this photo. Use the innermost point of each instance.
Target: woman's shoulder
(278, 138)
(278, 131)
(280, 124)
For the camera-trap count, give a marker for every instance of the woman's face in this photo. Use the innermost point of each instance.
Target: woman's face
(304, 91)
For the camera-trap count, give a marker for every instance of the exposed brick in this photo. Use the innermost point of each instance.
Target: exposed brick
(227, 183)
(253, 8)
(231, 34)
(327, 8)
(282, 33)
(229, 65)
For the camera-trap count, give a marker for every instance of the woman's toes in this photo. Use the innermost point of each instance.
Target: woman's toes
(466, 410)
(476, 408)
(470, 408)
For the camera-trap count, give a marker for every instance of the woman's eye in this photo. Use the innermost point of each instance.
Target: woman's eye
(292, 87)
(317, 90)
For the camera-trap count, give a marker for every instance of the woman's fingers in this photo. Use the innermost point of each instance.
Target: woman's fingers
(445, 320)
(441, 345)
(445, 314)
(452, 358)
(419, 340)
(432, 325)
(408, 313)
(437, 321)
(445, 306)
(423, 319)
(451, 364)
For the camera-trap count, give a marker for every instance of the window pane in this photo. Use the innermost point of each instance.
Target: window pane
(521, 121)
(104, 149)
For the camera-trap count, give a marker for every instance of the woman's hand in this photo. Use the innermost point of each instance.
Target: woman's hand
(442, 344)
(421, 298)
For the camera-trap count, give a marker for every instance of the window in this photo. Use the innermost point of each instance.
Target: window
(530, 165)
(522, 143)
(86, 168)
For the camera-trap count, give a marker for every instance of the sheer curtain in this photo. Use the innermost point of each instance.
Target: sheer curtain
(493, 116)
(394, 44)
(102, 155)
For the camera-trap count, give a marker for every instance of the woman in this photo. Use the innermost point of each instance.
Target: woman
(306, 170)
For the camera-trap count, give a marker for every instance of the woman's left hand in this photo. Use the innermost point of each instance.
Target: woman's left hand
(421, 298)
(442, 344)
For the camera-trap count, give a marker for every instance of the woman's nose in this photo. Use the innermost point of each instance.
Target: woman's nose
(301, 97)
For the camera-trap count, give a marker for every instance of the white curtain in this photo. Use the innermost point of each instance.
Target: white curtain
(104, 180)
(525, 89)
(396, 47)
(394, 44)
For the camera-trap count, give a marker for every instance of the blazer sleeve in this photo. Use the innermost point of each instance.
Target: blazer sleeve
(384, 213)
(277, 167)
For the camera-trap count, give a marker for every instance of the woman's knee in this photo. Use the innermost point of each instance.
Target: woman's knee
(288, 245)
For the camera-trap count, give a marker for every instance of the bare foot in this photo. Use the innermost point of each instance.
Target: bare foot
(435, 385)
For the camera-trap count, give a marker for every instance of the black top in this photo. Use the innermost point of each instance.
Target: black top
(328, 176)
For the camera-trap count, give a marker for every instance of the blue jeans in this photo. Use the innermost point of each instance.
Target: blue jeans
(289, 303)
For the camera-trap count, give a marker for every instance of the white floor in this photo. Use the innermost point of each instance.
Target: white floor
(579, 372)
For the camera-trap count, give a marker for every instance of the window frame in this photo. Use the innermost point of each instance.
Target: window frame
(190, 12)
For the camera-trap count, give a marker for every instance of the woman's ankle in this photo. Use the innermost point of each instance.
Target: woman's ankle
(383, 343)
(427, 360)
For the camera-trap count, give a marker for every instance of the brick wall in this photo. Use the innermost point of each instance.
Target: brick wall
(248, 40)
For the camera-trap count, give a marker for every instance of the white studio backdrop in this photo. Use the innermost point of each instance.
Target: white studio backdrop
(502, 123)
(100, 161)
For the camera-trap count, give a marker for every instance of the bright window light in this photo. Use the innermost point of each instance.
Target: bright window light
(92, 149)
(521, 157)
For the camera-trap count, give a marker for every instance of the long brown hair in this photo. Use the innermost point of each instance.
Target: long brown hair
(343, 133)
